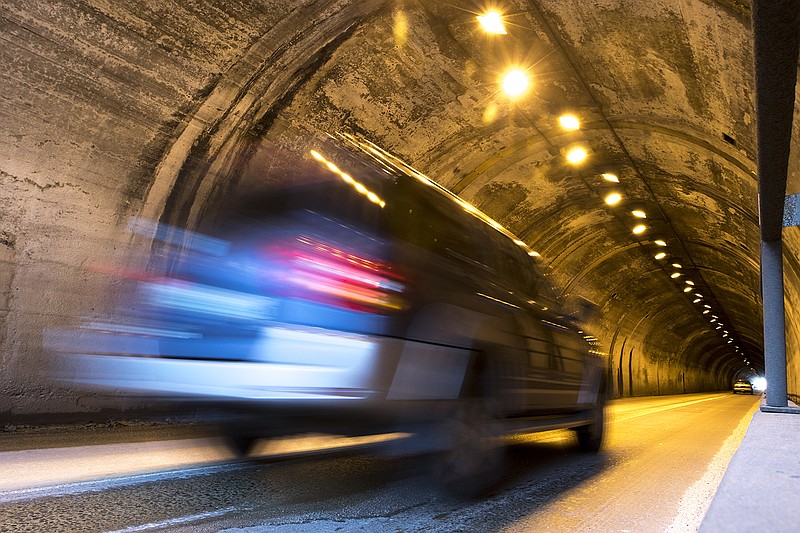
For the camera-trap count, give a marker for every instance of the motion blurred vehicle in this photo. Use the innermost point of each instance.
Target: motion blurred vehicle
(362, 298)
(743, 386)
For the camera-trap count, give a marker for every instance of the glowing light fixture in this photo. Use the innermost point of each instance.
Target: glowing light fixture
(660, 255)
(706, 312)
(569, 122)
(713, 319)
(577, 155)
(689, 282)
(639, 213)
(698, 295)
(707, 306)
(608, 176)
(660, 242)
(613, 198)
(641, 228)
(677, 265)
(675, 275)
(492, 22)
(687, 289)
(515, 83)
(347, 178)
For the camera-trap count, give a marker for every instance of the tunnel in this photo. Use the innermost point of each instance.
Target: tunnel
(647, 210)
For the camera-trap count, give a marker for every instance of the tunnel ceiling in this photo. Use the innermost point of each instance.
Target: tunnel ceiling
(664, 92)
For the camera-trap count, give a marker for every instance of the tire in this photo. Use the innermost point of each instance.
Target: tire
(474, 456)
(590, 436)
(241, 444)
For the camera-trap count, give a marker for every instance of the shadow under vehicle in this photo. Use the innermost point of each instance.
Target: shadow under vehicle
(360, 298)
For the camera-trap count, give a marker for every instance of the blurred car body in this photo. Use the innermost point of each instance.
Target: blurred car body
(365, 299)
(743, 386)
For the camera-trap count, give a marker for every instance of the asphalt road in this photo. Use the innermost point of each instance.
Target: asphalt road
(660, 466)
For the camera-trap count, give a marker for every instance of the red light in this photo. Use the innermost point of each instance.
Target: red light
(332, 275)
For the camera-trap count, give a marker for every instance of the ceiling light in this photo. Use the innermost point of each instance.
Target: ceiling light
(698, 295)
(492, 22)
(675, 275)
(689, 282)
(706, 311)
(515, 83)
(697, 300)
(638, 213)
(707, 306)
(713, 319)
(660, 242)
(610, 177)
(576, 155)
(641, 228)
(569, 122)
(613, 198)
(687, 289)
(660, 255)
(677, 265)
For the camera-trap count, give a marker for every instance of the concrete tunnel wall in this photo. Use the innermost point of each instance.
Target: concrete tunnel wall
(145, 109)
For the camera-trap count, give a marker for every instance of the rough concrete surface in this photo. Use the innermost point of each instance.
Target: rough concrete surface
(112, 110)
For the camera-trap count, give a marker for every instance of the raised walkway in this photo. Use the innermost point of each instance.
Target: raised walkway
(761, 487)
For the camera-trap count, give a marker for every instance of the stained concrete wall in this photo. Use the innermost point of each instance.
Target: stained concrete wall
(144, 108)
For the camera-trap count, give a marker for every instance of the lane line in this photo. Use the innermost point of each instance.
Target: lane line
(695, 501)
(176, 521)
(67, 489)
(654, 410)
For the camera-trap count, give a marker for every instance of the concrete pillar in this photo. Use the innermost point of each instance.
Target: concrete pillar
(774, 322)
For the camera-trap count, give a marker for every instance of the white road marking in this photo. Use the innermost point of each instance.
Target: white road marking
(695, 501)
(176, 521)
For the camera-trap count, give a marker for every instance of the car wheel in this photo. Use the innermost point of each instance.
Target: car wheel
(590, 436)
(240, 444)
(473, 456)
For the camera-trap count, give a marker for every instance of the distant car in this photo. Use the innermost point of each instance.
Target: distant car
(363, 299)
(743, 386)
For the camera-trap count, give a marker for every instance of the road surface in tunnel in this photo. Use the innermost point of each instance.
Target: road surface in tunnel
(661, 464)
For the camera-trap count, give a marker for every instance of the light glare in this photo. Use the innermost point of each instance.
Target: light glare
(638, 213)
(660, 243)
(641, 228)
(569, 122)
(610, 177)
(515, 83)
(661, 255)
(613, 198)
(492, 22)
(576, 155)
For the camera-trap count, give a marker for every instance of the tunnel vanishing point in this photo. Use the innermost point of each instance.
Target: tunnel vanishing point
(155, 110)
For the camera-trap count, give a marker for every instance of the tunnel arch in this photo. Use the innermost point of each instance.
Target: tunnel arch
(157, 118)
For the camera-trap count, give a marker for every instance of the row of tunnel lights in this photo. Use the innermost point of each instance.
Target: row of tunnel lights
(514, 84)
